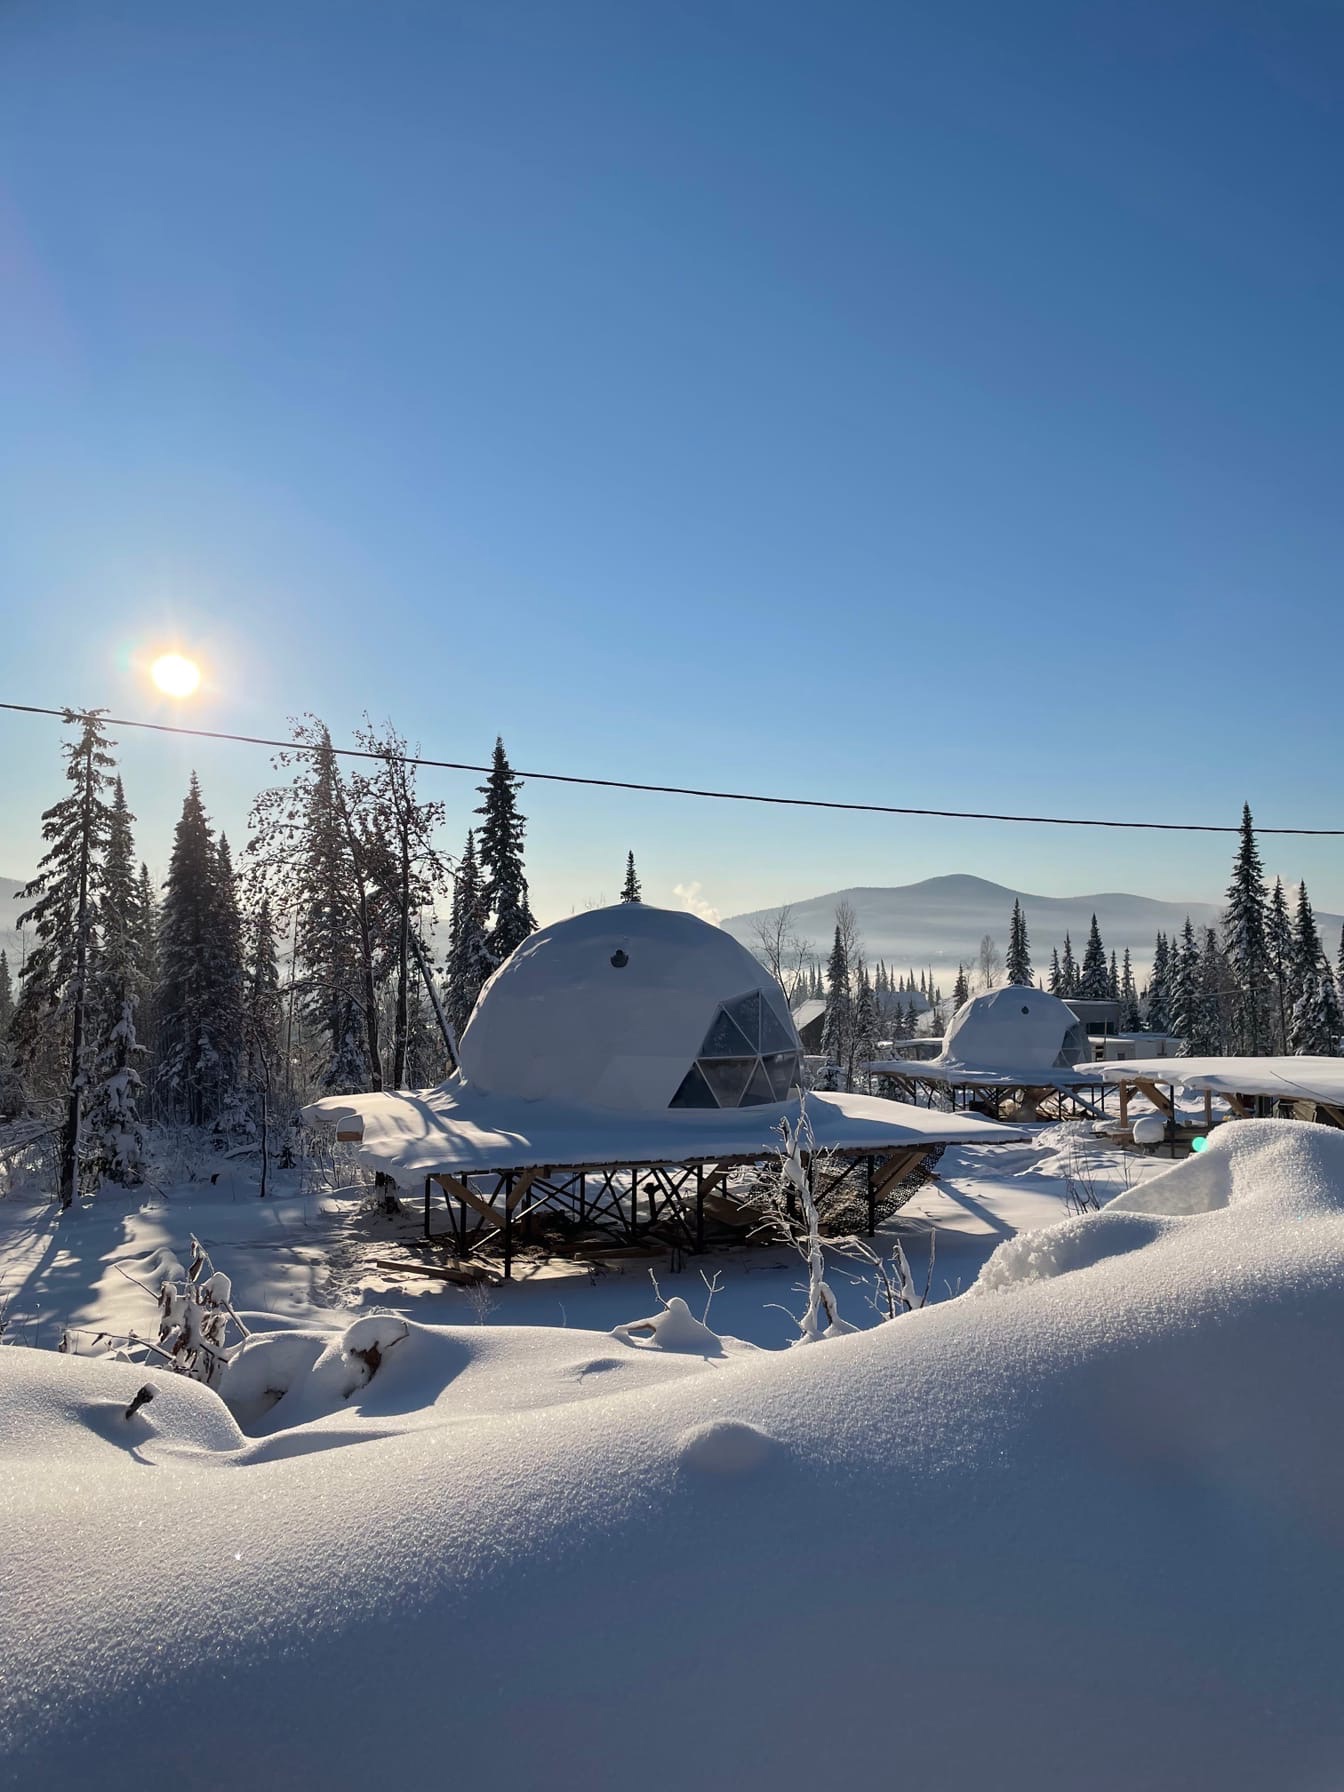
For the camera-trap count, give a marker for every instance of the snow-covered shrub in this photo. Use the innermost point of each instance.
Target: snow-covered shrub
(195, 1317)
(791, 1213)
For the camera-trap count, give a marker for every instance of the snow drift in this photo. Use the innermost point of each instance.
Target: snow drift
(1082, 1528)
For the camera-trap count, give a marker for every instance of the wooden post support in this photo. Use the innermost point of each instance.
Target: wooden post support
(872, 1198)
(508, 1226)
(427, 1188)
(1208, 1107)
(699, 1207)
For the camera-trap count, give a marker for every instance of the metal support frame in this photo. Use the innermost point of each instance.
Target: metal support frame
(666, 1203)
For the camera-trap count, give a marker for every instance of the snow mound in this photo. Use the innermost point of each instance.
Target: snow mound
(675, 1328)
(1091, 1534)
(84, 1401)
(725, 1447)
(1284, 1176)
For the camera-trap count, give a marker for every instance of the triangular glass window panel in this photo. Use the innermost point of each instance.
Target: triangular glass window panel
(694, 1091)
(724, 1040)
(759, 1091)
(782, 1069)
(746, 1012)
(728, 1078)
(775, 1036)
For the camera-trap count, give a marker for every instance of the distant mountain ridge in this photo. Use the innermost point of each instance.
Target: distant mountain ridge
(940, 922)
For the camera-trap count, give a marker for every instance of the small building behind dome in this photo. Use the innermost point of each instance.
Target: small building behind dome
(618, 1071)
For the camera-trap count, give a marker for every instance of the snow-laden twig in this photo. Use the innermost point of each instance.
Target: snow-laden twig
(791, 1211)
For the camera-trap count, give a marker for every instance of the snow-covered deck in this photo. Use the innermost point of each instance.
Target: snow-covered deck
(980, 1076)
(455, 1129)
(628, 1174)
(1307, 1079)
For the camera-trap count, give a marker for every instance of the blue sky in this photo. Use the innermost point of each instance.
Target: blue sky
(932, 404)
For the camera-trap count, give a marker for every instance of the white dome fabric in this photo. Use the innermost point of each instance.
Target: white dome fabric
(1015, 1029)
(613, 1009)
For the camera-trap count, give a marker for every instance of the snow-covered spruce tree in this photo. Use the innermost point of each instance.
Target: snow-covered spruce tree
(1186, 1004)
(1339, 968)
(500, 850)
(1216, 983)
(470, 961)
(961, 989)
(6, 1002)
(1279, 943)
(1068, 971)
(1314, 1025)
(837, 1032)
(1113, 980)
(147, 964)
(1155, 1007)
(115, 1134)
(409, 874)
(197, 1037)
(630, 889)
(307, 851)
(1018, 962)
(262, 1002)
(228, 983)
(1246, 947)
(1055, 980)
(865, 1019)
(1094, 982)
(1130, 1020)
(64, 899)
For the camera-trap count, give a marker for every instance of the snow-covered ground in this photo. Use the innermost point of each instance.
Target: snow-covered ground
(1080, 1527)
(308, 1255)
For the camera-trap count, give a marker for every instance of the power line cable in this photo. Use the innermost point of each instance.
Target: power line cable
(722, 796)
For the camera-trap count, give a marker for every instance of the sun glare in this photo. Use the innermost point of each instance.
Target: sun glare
(175, 675)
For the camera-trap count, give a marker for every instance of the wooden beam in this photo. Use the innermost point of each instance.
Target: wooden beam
(1146, 1086)
(525, 1180)
(451, 1186)
(466, 1275)
(896, 1167)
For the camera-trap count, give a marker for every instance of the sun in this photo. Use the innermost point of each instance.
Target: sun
(175, 675)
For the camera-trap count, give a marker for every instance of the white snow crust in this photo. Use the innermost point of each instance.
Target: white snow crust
(1083, 1528)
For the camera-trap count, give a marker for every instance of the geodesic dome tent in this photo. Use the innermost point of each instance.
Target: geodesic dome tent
(1015, 1030)
(627, 1036)
(633, 1008)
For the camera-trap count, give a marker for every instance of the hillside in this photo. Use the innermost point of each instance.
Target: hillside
(940, 921)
